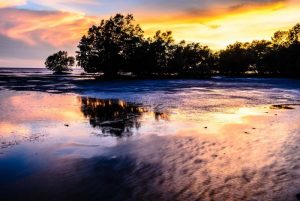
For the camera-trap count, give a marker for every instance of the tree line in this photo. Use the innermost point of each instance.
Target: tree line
(118, 45)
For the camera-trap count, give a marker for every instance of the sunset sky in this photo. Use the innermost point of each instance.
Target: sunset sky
(30, 30)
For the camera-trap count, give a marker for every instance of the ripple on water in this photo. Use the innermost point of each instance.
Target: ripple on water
(211, 142)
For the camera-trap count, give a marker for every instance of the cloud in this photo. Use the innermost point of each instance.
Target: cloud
(51, 27)
(31, 32)
(14, 53)
(201, 9)
(67, 5)
(31, 35)
(221, 26)
(11, 3)
(183, 5)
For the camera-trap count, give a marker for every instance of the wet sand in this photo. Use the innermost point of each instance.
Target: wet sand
(183, 141)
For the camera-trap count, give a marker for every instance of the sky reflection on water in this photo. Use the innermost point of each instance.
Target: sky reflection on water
(186, 144)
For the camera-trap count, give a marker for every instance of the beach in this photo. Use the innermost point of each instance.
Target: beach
(72, 137)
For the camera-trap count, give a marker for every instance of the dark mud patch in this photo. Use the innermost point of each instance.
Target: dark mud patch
(282, 107)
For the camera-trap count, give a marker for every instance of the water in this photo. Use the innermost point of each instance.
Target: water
(216, 139)
(32, 71)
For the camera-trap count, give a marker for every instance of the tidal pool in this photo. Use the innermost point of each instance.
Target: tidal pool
(152, 140)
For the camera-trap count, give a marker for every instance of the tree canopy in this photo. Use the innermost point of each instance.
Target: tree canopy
(109, 46)
(59, 62)
(118, 45)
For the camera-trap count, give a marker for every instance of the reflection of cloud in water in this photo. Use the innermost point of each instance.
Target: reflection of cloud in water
(8, 129)
(174, 168)
(12, 134)
(236, 163)
(237, 116)
(32, 107)
(28, 116)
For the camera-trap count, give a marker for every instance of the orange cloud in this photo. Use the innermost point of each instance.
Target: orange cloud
(214, 23)
(222, 25)
(216, 26)
(51, 27)
(11, 3)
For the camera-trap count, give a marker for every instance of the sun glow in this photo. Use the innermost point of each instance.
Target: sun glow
(222, 28)
(43, 26)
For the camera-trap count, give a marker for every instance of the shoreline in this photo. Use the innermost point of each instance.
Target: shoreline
(80, 83)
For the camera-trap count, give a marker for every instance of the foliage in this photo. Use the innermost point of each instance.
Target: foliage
(110, 46)
(192, 58)
(118, 45)
(279, 57)
(59, 62)
(235, 59)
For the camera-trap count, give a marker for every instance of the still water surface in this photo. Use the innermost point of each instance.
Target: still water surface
(152, 140)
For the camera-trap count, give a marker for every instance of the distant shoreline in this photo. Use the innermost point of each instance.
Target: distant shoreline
(78, 72)
(83, 83)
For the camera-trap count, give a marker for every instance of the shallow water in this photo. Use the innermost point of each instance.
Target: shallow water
(217, 139)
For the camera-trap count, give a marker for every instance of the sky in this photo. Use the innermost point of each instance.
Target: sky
(30, 30)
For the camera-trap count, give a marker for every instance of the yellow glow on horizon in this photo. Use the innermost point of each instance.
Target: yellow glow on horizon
(216, 27)
(221, 29)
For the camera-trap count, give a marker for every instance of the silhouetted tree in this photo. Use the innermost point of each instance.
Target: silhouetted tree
(192, 58)
(177, 63)
(284, 57)
(287, 60)
(154, 55)
(257, 52)
(59, 62)
(279, 57)
(280, 39)
(162, 46)
(235, 59)
(138, 61)
(294, 34)
(108, 48)
(118, 45)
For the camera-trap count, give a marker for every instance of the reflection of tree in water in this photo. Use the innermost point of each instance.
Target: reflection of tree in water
(113, 117)
(161, 116)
